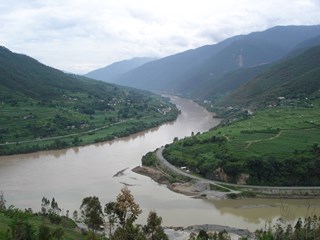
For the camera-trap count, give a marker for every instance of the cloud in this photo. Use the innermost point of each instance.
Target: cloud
(78, 35)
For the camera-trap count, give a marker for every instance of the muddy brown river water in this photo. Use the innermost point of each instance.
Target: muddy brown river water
(72, 174)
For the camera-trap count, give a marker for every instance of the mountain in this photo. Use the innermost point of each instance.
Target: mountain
(26, 77)
(162, 74)
(301, 47)
(43, 108)
(112, 72)
(213, 91)
(290, 79)
(230, 81)
(189, 72)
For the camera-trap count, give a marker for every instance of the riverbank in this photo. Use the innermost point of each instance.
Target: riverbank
(188, 187)
(184, 182)
(183, 233)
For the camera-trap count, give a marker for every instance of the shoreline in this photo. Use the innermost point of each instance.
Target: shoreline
(202, 190)
(182, 233)
(194, 189)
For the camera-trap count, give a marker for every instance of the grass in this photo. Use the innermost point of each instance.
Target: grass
(299, 130)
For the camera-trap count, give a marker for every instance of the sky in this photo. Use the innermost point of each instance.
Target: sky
(79, 36)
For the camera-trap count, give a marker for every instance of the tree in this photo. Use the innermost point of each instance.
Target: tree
(75, 215)
(124, 212)
(203, 235)
(44, 232)
(58, 233)
(153, 229)
(45, 205)
(54, 207)
(110, 211)
(19, 225)
(129, 232)
(126, 209)
(91, 212)
(2, 202)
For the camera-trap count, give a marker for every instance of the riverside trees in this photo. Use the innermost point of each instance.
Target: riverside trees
(121, 214)
(124, 212)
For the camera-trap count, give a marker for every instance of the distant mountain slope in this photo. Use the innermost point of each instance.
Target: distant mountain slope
(301, 47)
(230, 81)
(162, 74)
(189, 72)
(293, 78)
(112, 72)
(25, 76)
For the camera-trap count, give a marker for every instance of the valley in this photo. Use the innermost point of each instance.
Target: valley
(253, 136)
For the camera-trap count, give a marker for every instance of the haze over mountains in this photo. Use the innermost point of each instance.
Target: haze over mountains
(297, 77)
(211, 71)
(112, 72)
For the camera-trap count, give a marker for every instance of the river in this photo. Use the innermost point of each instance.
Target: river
(72, 174)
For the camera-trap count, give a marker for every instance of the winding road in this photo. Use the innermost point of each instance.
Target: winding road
(160, 157)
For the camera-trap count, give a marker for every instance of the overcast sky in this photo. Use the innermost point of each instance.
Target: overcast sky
(81, 35)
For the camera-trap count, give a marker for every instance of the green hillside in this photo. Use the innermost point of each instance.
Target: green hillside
(291, 79)
(277, 144)
(44, 108)
(214, 91)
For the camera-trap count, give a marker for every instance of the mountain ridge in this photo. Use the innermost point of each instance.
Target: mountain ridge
(184, 73)
(112, 72)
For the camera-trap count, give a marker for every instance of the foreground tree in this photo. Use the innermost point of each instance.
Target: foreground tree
(126, 209)
(110, 211)
(129, 232)
(153, 229)
(2, 202)
(124, 212)
(91, 212)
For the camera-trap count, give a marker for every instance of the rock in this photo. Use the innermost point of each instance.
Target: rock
(220, 175)
(242, 179)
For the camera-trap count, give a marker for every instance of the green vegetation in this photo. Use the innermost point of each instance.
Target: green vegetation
(276, 146)
(43, 108)
(307, 229)
(295, 78)
(120, 216)
(150, 160)
(49, 224)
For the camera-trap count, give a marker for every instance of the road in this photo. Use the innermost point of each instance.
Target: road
(159, 154)
(64, 136)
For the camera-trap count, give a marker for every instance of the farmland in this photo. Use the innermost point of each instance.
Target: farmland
(274, 146)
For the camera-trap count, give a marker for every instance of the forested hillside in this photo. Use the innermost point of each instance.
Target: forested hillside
(295, 78)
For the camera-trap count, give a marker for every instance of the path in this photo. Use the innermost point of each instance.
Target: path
(260, 140)
(63, 136)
